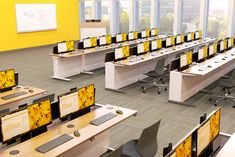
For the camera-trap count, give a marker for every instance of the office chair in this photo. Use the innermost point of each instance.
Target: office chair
(116, 153)
(159, 77)
(145, 146)
(228, 84)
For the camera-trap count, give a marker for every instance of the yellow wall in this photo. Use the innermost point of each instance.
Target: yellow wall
(67, 25)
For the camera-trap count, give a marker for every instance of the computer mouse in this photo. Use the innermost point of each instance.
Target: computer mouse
(30, 91)
(209, 66)
(76, 133)
(119, 112)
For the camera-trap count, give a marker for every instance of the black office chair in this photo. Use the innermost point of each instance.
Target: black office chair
(228, 84)
(116, 153)
(145, 146)
(159, 76)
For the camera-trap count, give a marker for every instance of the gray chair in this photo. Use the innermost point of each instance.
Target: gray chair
(115, 153)
(159, 76)
(145, 146)
(228, 84)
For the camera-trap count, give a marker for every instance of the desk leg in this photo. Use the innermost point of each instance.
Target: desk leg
(115, 90)
(181, 103)
(61, 78)
(87, 72)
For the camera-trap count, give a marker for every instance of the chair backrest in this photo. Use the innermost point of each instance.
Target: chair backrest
(233, 77)
(160, 66)
(115, 153)
(147, 144)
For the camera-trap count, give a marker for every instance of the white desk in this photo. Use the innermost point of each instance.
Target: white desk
(123, 73)
(185, 84)
(93, 140)
(83, 61)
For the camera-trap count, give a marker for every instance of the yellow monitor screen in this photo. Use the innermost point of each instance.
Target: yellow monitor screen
(66, 46)
(185, 148)
(90, 42)
(213, 49)
(198, 34)
(186, 59)
(122, 52)
(7, 79)
(14, 124)
(215, 124)
(203, 53)
(145, 33)
(143, 47)
(121, 37)
(170, 41)
(105, 40)
(180, 39)
(156, 44)
(39, 114)
(86, 96)
(190, 36)
(133, 35)
(230, 42)
(68, 103)
(154, 31)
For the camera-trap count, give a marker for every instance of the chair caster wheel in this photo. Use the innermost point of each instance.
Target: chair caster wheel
(216, 105)
(142, 87)
(165, 89)
(144, 92)
(233, 106)
(209, 99)
(159, 93)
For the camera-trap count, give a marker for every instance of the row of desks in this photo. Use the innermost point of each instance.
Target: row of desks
(185, 84)
(83, 61)
(123, 73)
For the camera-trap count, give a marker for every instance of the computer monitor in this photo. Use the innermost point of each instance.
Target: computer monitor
(230, 42)
(40, 114)
(86, 96)
(202, 54)
(156, 45)
(179, 39)
(198, 34)
(66, 46)
(145, 33)
(223, 44)
(212, 49)
(7, 80)
(89, 42)
(208, 131)
(132, 35)
(121, 37)
(143, 48)
(186, 60)
(121, 53)
(14, 124)
(170, 41)
(105, 40)
(190, 36)
(154, 32)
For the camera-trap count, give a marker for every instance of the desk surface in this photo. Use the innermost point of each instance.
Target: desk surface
(36, 91)
(79, 52)
(86, 130)
(215, 62)
(228, 150)
(163, 52)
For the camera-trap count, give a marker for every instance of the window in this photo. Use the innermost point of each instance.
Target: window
(124, 16)
(88, 9)
(218, 18)
(144, 14)
(166, 16)
(190, 15)
(105, 14)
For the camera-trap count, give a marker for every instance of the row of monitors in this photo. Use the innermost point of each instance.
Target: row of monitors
(204, 52)
(195, 144)
(147, 46)
(8, 80)
(91, 42)
(24, 120)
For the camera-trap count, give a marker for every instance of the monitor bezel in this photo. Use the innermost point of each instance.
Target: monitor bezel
(167, 46)
(181, 42)
(204, 58)
(122, 40)
(123, 58)
(65, 43)
(90, 46)
(188, 65)
(129, 35)
(145, 30)
(153, 50)
(142, 53)
(155, 34)
(106, 42)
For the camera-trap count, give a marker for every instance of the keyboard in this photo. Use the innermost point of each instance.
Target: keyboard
(103, 119)
(54, 143)
(14, 95)
(203, 68)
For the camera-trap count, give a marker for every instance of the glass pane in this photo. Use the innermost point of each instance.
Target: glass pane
(88, 9)
(191, 14)
(144, 14)
(124, 16)
(105, 14)
(166, 16)
(218, 18)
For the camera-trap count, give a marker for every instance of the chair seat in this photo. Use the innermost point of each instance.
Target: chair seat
(129, 149)
(226, 83)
